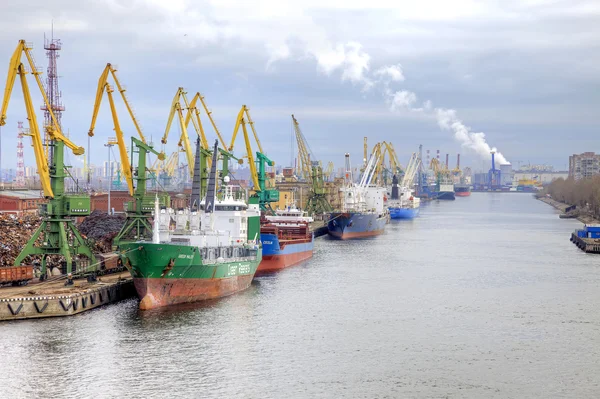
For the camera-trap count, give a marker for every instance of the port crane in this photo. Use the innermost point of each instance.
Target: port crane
(179, 103)
(57, 235)
(317, 198)
(137, 226)
(381, 172)
(414, 164)
(264, 195)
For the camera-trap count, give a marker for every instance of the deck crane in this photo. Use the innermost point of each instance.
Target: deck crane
(317, 198)
(57, 235)
(137, 226)
(264, 195)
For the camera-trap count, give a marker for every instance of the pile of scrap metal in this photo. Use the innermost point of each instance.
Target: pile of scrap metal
(100, 229)
(14, 233)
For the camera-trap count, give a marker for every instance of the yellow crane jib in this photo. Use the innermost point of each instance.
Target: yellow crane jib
(240, 121)
(184, 140)
(105, 87)
(102, 85)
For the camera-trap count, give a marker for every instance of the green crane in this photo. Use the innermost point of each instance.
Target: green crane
(57, 235)
(137, 227)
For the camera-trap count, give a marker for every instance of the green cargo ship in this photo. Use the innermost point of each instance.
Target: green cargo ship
(199, 253)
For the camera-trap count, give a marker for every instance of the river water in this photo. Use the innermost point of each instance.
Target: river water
(481, 297)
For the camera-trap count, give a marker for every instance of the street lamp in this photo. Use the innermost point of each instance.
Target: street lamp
(111, 141)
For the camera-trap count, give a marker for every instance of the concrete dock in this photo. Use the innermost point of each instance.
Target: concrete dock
(53, 298)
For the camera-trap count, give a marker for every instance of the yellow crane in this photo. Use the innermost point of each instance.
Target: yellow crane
(395, 168)
(265, 196)
(184, 140)
(104, 86)
(57, 234)
(16, 67)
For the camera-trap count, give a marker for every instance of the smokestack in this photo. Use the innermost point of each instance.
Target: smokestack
(438, 155)
(493, 163)
(447, 155)
(428, 158)
(395, 195)
(457, 161)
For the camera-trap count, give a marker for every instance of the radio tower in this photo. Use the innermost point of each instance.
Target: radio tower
(20, 159)
(52, 46)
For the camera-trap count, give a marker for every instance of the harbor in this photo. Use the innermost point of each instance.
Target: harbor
(336, 314)
(235, 200)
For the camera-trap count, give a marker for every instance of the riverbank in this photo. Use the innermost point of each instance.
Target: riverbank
(584, 218)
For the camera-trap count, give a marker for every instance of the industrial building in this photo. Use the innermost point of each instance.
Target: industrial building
(584, 165)
(18, 202)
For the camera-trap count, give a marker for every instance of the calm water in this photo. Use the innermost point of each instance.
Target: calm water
(481, 297)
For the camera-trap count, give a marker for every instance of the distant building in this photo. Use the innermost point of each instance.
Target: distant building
(584, 165)
(20, 201)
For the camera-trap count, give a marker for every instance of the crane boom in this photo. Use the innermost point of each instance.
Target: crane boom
(102, 84)
(240, 118)
(38, 147)
(212, 121)
(125, 164)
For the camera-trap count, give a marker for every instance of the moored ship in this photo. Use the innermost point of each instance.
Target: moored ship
(403, 203)
(363, 213)
(197, 253)
(462, 190)
(286, 239)
(444, 188)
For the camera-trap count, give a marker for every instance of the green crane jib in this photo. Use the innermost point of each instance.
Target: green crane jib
(57, 235)
(265, 195)
(137, 227)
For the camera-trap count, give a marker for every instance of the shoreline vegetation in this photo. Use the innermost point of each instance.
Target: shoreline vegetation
(584, 194)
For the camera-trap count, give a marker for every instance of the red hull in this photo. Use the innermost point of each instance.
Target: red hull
(273, 263)
(462, 194)
(362, 234)
(158, 292)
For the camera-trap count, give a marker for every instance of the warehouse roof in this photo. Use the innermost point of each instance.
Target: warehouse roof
(22, 194)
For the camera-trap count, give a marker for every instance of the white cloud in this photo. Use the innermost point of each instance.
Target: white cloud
(392, 72)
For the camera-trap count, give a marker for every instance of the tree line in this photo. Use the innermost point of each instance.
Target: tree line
(585, 193)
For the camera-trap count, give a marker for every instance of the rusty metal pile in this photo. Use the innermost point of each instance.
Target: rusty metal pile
(100, 229)
(14, 233)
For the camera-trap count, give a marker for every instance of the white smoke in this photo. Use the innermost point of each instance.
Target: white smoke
(446, 119)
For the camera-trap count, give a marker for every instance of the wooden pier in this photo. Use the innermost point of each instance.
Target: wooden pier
(53, 298)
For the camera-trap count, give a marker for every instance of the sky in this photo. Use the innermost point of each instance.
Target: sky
(462, 76)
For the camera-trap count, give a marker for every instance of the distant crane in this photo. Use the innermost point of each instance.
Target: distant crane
(317, 199)
(494, 180)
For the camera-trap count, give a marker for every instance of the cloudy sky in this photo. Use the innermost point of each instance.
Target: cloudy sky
(433, 72)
